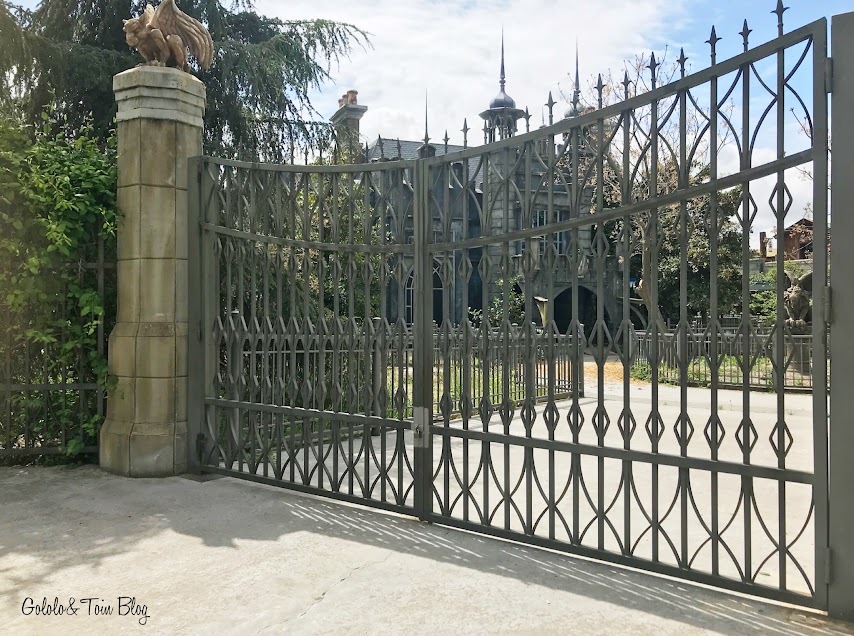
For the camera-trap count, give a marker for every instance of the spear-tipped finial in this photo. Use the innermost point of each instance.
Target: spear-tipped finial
(745, 31)
(465, 131)
(399, 150)
(600, 86)
(485, 132)
(712, 42)
(682, 59)
(446, 139)
(365, 160)
(626, 83)
(653, 67)
(380, 146)
(501, 78)
(779, 10)
(550, 105)
(527, 120)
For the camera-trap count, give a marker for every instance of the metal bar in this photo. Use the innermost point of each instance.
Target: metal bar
(840, 597)
(780, 334)
(647, 457)
(696, 576)
(714, 333)
(695, 191)
(684, 174)
(821, 319)
(423, 349)
(748, 430)
(198, 328)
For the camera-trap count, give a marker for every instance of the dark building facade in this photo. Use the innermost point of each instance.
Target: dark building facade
(501, 120)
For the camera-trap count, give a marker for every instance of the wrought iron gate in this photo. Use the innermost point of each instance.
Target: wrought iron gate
(413, 334)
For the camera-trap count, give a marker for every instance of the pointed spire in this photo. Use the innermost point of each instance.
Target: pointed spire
(576, 93)
(446, 140)
(600, 86)
(779, 11)
(426, 134)
(527, 120)
(381, 147)
(465, 131)
(745, 31)
(399, 150)
(501, 79)
(682, 59)
(626, 83)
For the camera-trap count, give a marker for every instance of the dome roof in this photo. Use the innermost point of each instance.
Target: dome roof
(502, 100)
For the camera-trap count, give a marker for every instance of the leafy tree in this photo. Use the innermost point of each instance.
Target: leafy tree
(648, 235)
(257, 88)
(57, 199)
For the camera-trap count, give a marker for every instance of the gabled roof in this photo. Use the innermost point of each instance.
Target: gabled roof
(409, 151)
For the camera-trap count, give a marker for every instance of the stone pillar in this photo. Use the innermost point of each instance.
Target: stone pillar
(159, 127)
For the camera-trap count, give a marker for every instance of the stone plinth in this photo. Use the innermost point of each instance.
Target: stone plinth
(159, 127)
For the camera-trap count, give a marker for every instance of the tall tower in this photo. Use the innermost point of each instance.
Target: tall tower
(501, 116)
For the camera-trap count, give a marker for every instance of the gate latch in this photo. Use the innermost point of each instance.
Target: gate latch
(421, 427)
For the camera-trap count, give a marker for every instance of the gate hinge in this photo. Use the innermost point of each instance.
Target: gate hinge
(828, 306)
(828, 567)
(828, 75)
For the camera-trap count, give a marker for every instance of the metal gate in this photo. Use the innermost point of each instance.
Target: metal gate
(413, 334)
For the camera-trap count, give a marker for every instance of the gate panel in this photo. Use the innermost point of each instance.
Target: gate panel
(548, 245)
(535, 338)
(307, 358)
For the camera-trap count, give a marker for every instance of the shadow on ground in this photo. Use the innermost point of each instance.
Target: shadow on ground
(59, 522)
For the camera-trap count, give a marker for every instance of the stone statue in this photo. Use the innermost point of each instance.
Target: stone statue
(797, 299)
(162, 37)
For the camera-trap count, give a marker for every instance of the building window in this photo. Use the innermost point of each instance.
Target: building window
(541, 219)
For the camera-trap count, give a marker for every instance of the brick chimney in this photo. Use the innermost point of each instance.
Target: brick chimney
(349, 112)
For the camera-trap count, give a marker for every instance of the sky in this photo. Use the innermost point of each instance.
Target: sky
(447, 52)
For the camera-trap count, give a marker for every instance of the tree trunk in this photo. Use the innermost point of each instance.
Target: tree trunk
(643, 289)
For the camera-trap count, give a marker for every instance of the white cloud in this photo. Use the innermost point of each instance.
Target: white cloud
(450, 50)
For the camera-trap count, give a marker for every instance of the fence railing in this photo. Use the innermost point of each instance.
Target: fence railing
(51, 401)
(370, 371)
(755, 357)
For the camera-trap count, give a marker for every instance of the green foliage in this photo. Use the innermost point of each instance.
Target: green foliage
(763, 303)
(515, 304)
(728, 275)
(257, 88)
(57, 199)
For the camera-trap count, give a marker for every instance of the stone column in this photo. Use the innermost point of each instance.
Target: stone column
(159, 127)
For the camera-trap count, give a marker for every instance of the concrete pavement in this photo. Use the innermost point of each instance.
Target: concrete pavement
(225, 556)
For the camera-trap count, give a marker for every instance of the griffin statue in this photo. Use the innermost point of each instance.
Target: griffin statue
(163, 35)
(797, 299)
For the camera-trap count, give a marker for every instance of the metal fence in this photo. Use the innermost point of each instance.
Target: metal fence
(50, 400)
(290, 265)
(756, 360)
